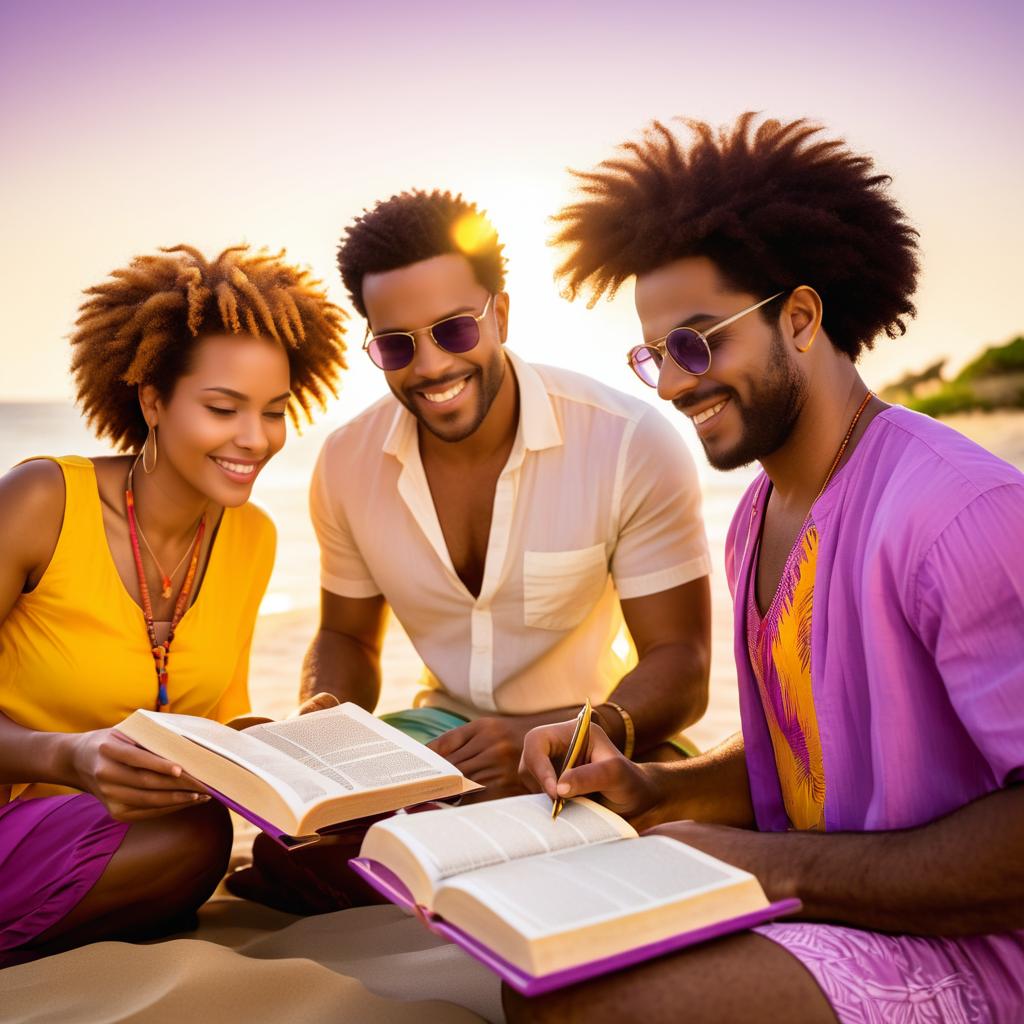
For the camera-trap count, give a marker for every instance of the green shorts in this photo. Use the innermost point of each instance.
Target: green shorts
(426, 724)
(683, 744)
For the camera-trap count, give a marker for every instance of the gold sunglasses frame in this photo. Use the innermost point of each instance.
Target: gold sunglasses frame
(660, 345)
(369, 339)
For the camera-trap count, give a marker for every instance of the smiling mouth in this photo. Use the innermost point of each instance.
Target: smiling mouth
(703, 417)
(448, 394)
(242, 469)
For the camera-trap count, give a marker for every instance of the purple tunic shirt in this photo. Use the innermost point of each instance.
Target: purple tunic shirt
(917, 646)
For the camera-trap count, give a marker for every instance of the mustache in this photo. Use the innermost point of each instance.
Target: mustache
(688, 402)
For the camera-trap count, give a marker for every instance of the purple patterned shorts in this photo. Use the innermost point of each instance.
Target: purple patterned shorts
(875, 978)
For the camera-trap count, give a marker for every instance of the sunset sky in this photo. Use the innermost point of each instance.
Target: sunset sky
(129, 125)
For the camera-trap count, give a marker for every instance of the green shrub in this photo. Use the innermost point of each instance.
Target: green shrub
(997, 359)
(954, 397)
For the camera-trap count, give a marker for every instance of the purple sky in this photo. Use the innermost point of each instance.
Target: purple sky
(129, 125)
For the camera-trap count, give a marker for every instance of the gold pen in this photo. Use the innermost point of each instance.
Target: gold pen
(577, 745)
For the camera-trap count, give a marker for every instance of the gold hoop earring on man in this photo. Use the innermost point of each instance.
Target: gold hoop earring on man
(145, 445)
(817, 326)
(807, 347)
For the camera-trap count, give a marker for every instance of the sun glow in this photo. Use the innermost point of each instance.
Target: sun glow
(472, 232)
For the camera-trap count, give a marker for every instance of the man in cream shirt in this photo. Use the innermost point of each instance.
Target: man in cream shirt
(514, 517)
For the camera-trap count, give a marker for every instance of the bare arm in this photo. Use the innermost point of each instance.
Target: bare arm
(344, 657)
(32, 511)
(131, 782)
(666, 691)
(712, 787)
(668, 688)
(960, 875)
(27, 755)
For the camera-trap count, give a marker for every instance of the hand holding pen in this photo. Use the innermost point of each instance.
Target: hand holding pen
(634, 790)
(578, 744)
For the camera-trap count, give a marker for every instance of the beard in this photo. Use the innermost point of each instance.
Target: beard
(768, 415)
(488, 379)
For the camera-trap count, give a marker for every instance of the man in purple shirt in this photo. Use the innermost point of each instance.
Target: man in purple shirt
(877, 572)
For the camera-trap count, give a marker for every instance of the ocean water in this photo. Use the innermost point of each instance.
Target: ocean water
(56, 428)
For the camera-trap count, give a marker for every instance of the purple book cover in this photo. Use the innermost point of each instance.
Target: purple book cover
(282, 838)
(290, 842)
(393, 889)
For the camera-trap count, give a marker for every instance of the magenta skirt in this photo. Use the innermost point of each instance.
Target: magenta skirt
(52, 852)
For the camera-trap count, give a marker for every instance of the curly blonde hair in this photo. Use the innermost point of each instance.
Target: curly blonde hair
(141, 326)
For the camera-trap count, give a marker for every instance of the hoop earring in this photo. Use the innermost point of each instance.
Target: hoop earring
(145, 445)
(807, 347)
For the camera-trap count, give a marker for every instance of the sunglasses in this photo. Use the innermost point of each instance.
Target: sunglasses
(687, 346)
(455, 334)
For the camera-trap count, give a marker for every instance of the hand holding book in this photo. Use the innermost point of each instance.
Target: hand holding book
(133, 784)
(302, 775)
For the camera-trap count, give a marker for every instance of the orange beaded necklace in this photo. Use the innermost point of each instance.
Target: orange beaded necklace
(161, 651)
(846, 440)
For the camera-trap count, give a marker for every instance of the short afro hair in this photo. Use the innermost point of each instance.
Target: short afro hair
(142, 326)
(414, 226)
(773, 205)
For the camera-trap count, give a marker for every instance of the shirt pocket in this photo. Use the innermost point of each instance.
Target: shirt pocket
(561, 587)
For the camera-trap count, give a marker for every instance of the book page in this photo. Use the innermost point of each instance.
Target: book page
(296, 783)
(458, 839)
(350, 748)
(571, 888)
(328, 753)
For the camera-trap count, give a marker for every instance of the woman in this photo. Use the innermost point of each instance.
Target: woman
(134, 581)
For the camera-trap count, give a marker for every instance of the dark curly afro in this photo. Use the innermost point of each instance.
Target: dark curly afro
(414, 226)
(774, 206)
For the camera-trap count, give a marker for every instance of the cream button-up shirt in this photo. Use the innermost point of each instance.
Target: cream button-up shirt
(599, 500)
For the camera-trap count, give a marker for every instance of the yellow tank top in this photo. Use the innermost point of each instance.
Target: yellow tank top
(74, 654)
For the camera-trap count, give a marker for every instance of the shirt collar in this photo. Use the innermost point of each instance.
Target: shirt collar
(538, 426)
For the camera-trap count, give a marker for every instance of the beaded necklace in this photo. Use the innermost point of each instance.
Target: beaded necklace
(161, 651)
(828, 476)
(846, 440)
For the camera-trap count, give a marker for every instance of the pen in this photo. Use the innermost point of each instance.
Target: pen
(577, 745)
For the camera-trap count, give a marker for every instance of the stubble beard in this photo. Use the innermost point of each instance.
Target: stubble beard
(770, 414)
(489, 378)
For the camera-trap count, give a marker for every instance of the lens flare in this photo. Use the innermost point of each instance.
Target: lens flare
(472, 232)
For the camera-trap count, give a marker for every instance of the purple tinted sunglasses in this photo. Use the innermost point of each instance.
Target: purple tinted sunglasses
(455, 334)
(687, 346)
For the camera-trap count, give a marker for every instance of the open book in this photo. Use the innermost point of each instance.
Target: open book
(549, 903)
(294, 777)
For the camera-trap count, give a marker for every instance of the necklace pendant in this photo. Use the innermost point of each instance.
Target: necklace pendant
(166, 591)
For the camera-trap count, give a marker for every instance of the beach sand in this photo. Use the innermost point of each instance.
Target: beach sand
(250, 964)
